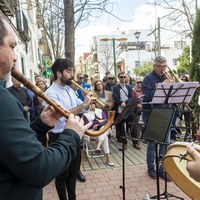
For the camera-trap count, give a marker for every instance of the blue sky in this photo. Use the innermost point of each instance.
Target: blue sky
(124, 9)
(136, 12)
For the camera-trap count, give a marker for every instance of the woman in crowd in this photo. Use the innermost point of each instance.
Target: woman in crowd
(129, 81)
(98, 117)
(38, 106)
(103, 95)
(136, 129)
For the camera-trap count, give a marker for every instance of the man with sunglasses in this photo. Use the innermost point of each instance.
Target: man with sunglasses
(122, 95)
(83, 84)
(110, 83)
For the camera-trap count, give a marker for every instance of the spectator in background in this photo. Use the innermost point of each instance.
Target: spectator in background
(98, 119)
(184, 78)
(80, 81)
(85, 78)
(103, 95)
(185, 111)
(38, 102)
(129, 81)
(42, 85)
(136, 129)
(22, 95)
(37, 78)
(122, 95)
(92, 81)
(110, 83)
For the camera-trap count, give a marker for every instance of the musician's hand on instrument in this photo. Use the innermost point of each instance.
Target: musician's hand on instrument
(88, 99)
(77, 124)
(26, 108)
(193, 166)
(123, 105)
(50, 116)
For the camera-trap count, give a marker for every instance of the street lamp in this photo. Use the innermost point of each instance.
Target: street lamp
(114, 53)
(137, 35)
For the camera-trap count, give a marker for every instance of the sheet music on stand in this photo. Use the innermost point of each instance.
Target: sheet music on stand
(177, 92)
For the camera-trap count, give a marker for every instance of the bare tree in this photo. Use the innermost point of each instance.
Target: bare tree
(106, 61)
(53, 25)
(71, 13)
(179, 16)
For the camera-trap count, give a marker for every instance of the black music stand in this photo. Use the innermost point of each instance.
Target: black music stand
(123, 116)
(157, 133)
(174, 93)
(127, 111)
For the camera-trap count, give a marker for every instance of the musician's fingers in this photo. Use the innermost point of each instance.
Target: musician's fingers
(71, 116)
(194, 153)
(49, 108)
(191, 168)
(81, 121)
(77, 118)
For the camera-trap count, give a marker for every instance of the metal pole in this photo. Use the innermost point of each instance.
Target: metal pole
(114, 57)
(138, 51)
(159, 40)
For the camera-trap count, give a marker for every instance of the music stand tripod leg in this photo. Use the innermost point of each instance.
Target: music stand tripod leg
(157, 173)
(123, 170)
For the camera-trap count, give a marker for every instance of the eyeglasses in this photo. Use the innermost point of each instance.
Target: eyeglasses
(110, 78)
(98, 84)
(139, 82)
(81, 77)
(122, 77)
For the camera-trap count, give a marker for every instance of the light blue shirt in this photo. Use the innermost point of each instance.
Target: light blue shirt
(66, 98)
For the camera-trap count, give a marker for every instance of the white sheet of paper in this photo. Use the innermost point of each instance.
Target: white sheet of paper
(182, 92)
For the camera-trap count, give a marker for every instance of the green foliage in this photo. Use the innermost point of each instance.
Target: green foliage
(184, 62)
(195, 69)
(143, 69)
(195, 66)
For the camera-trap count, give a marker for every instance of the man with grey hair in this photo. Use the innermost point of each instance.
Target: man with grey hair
(149, 85)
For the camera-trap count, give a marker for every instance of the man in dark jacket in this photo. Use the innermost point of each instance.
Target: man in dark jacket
(22, 95)
(122, 95)
(25, 165)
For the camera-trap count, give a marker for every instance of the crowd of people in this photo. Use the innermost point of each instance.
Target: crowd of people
(27, 163)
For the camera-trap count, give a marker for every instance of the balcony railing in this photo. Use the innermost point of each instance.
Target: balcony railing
(8, 7)
(22, 26)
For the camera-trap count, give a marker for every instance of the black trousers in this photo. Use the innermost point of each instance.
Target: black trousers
(67, 179)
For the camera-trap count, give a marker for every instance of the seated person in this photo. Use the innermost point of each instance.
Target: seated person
(98, 117)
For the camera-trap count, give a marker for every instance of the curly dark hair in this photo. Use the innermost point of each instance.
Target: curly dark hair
(60, 65)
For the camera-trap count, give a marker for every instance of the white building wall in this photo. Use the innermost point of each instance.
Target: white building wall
(131, 56)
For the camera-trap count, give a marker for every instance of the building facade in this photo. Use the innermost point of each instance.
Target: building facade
(125, 52)
(22, 16)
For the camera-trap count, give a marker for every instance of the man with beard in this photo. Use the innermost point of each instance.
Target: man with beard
(25, 165)
(64, 95)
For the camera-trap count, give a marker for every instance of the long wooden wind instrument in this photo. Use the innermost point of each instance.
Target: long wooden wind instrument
(20, 77)
(85, 92)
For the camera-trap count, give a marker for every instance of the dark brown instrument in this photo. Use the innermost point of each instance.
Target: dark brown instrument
(20, 77)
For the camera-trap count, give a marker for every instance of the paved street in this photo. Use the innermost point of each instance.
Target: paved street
(103, 182)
